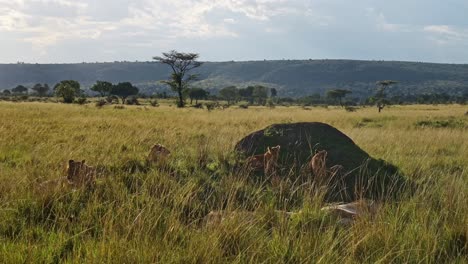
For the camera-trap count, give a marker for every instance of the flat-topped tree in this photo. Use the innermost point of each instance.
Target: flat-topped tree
(124, 90)
(230, 93)
(380, 96)
(20, 89)
(197, 94)
(338, 94)
(40, 89)
(181, 63)
(103, 88)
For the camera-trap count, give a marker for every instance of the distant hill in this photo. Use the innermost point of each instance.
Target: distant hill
(292, 78)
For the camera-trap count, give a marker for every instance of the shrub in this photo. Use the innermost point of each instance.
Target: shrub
(270, 103)
(210, 106)
(112, 99)
(100, 103)
(81, 101)
(244, 106)
(154, 103)
(199, 105)
(132, 100)
(350, 108)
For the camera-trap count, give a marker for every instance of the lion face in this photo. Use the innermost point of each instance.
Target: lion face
(318, 162)
(275, 150)
(158, 153)
(79, 172)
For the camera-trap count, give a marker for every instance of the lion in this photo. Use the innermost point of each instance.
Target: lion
(271, 160)
(318, 164)
(158, 154)
(266, 162)
(78, 173)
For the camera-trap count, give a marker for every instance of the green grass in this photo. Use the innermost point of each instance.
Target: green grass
(141, 214)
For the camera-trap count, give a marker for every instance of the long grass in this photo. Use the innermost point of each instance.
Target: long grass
(138, 213)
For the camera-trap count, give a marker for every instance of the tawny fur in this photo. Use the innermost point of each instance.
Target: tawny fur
(267, 162)
(318, 164)
(78, 173)
(271, 160)
(158, 154)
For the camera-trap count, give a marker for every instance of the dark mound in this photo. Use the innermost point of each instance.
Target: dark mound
(364, 175)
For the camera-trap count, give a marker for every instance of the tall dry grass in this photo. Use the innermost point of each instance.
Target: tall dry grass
(141, 214)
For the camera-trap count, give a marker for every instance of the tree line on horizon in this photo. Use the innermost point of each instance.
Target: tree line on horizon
(180, 82)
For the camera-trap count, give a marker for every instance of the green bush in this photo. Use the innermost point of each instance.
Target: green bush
(81, 101)
(100, 103)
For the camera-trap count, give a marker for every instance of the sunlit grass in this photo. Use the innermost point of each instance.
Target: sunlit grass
(140, 214)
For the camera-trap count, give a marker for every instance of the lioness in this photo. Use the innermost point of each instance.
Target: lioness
(158, 154)
(78, 173)
(271, 159)
(318, 164)
(267, 161)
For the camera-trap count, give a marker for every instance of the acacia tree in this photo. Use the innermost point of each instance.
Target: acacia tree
(247, 93)
(260, 93)
(230, 93)
(273, 92)
(68, 90)
(380, 96)
(197, 94)
(180, 63)
(338, 95)
(124, 90)
(102, 87)
(40, 89)
(20, 89)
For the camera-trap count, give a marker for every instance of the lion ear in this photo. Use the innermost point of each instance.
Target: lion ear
(71, 161)
(268, 149)
(82, 162)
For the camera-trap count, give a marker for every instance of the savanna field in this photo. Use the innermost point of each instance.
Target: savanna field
(139, 213)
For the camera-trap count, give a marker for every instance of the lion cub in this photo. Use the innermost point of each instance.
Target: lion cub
(158, 154)
(268, 161)
(78, 173)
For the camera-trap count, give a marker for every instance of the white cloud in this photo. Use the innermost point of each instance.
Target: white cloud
(443, 30)
(229, 21)
(445, 34)
(43, 26)
(48, 22)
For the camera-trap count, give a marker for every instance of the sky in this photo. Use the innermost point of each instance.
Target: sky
(71, 31)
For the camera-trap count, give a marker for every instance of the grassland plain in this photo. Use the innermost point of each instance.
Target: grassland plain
(141, 214)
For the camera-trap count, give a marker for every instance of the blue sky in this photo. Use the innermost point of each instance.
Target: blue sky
(54, 31)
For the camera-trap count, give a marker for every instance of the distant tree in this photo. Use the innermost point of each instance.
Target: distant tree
(20, 89)
(380, 96)
(274, 92)
(338, 95)
(311, 99)
(76, 85)
(6, 92)
(230, 93)
(68, 90)
(197, 94)
(247, 93)
(124, 90)
(260, 93)
(103, 88)
(40, 89)
(180, 63)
